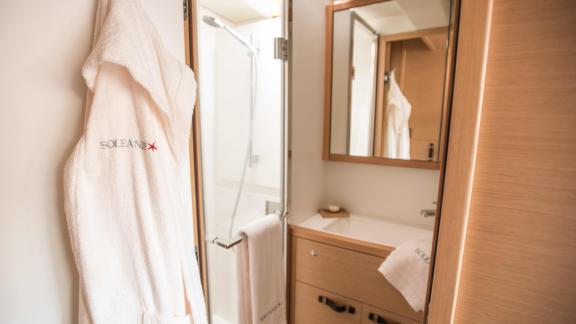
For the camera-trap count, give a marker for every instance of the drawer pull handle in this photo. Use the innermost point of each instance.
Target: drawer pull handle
(380, 320)
(335, 307)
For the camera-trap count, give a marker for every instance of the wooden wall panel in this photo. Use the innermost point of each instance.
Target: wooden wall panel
(423, 85)
(195, 150)
(519, 263)
(473, 33)
(420, 72)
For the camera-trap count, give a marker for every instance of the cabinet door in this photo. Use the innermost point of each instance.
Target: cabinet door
(373, 315)
(317, 306)
(348, 273)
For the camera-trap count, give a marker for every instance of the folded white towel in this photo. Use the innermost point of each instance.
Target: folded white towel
(261, 282)
(407, 268)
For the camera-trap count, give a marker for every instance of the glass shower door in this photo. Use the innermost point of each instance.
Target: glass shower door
(241, 100)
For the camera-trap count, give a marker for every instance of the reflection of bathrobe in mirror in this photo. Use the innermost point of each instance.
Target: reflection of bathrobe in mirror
(397, 116)
(127, 183)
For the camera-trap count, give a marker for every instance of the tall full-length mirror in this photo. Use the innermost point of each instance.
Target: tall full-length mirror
(386, 81)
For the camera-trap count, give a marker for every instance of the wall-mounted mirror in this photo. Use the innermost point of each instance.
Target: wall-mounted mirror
(385, 82)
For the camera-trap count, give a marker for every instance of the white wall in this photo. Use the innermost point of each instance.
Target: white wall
(44, 44)
(380, 191)
(307, 80)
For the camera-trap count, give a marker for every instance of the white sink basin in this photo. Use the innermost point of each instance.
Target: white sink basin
(368, 229)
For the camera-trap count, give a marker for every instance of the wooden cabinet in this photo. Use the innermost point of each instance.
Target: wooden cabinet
(348, 277)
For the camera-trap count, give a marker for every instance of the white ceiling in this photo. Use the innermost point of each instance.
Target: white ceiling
(398, 16)
(240, 11)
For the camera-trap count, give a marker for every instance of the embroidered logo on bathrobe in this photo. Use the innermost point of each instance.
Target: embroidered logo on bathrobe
(128, 143)
(152, 146)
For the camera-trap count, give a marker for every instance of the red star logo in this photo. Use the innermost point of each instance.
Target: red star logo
(152, 146)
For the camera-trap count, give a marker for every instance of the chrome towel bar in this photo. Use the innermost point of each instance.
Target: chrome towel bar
(228, 245)
(236, 240)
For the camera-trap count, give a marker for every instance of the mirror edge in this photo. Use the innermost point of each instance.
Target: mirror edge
(328, 39)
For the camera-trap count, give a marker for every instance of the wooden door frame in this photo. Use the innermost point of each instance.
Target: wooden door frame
(191, 46)
(467, 100)
(474, 18)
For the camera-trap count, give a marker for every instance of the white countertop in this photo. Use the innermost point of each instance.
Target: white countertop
(370, 229)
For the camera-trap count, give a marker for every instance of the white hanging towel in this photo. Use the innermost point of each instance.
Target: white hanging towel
(398, 111)
(127, 181)
(261, 283)
(407, 268)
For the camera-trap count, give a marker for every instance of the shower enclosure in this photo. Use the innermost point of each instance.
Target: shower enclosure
(242, 116)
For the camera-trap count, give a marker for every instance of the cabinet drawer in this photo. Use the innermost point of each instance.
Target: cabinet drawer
(310, 310)
(347, 273)
(373, 315)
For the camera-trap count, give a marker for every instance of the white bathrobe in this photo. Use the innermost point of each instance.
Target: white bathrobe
(398, 111)
(127, 183)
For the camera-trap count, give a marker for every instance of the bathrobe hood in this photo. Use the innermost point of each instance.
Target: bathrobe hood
(127, 39)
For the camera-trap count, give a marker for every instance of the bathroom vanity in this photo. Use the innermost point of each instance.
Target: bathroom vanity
(334, 274)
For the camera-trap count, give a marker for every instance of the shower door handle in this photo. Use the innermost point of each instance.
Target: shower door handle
(335, 306)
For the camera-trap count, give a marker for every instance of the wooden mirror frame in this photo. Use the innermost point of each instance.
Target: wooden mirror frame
(326, 154)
